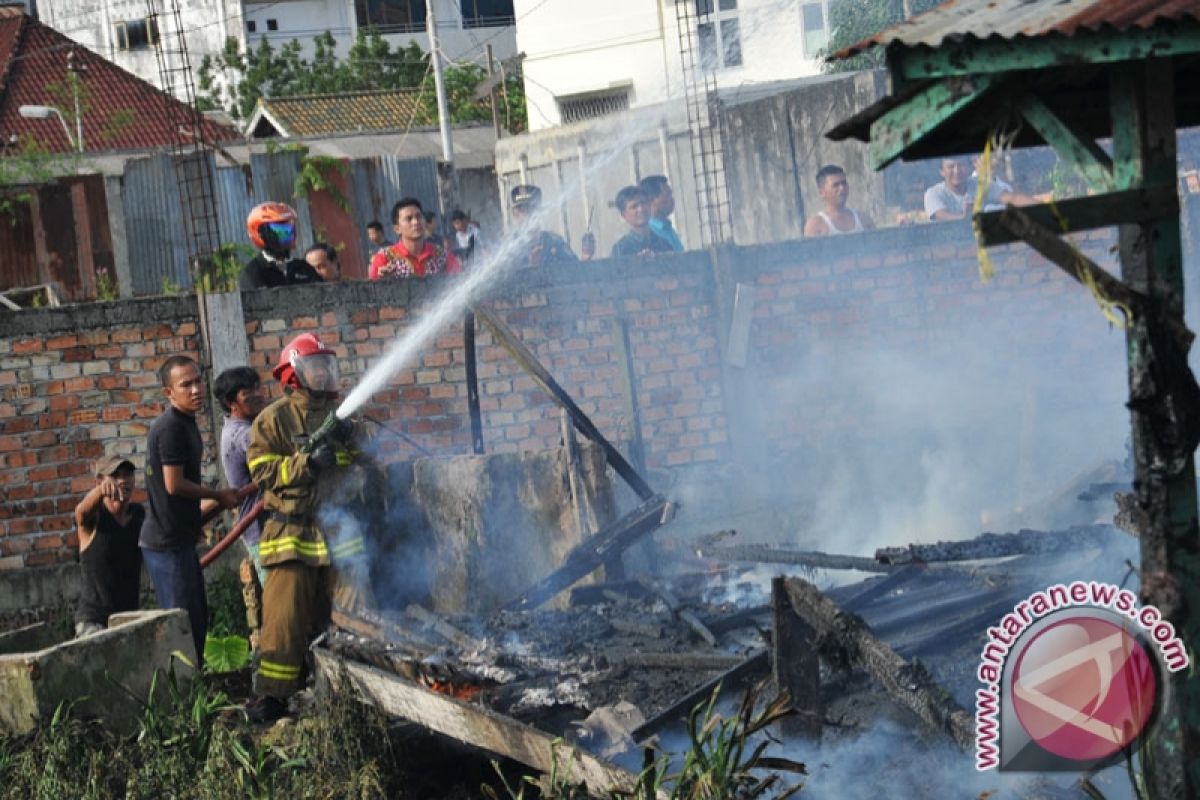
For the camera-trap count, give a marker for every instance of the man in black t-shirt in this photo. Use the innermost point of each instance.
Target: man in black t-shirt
(272, 229)
(173, 481)
(108, 524)
(641, 241)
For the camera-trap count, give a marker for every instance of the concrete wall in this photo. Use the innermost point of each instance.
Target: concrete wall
(876, 359)
(581, 48)
(207, 24)
(773, 148)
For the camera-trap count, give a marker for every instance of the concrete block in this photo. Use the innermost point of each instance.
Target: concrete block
(98, 673)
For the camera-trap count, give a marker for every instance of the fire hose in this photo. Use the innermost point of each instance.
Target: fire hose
(233, 535)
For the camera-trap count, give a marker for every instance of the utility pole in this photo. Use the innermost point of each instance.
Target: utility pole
(491, 70)
(439, 83)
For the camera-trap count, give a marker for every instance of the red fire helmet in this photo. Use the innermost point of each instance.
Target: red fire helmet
(304, 346)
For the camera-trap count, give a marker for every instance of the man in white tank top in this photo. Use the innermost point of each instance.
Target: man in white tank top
(836, 218)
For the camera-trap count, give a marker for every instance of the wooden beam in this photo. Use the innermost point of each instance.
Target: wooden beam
(998, 545)
(633, 415)
(1083, 269)
(731, 680)
(906, 125)
(525, 357)
(473, 724)
(1085, 213)
(971, 56)
(794, 664)
(592, 553)
(907, 682)
(762, 554)
(1078, 150)
(473, 384)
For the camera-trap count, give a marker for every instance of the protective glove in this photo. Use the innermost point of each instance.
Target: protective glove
(343, 431)
(324, 457)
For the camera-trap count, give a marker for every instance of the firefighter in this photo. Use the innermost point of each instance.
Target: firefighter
(295, 474)
(272, 229)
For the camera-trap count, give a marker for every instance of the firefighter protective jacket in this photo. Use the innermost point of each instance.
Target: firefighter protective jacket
(287, 479)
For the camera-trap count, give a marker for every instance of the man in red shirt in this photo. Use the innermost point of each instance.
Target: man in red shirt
(412, 256)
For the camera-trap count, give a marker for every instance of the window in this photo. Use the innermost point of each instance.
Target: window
(391, 16)
(272, 24)
(814, 22)
(720, 37)
(487, 13)
(134, 34)
(251, 26)
(592, 105)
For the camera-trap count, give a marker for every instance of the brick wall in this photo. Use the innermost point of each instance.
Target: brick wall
(77, 381)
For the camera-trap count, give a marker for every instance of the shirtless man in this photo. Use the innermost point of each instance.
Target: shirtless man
(836, 218)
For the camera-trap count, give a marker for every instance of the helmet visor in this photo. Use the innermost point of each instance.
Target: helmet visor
(317, 373)
(281, 235)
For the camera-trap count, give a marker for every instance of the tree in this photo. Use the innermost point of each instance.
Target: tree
(235, 80)
(851, 21)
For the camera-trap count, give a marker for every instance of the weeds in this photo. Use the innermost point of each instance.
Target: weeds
(721, 763)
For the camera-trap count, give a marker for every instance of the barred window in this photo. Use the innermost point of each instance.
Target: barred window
(592, 105)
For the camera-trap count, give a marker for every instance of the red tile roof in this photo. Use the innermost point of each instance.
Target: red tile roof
(121, 111)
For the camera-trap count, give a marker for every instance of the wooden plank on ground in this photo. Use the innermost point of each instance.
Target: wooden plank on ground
(473, 725)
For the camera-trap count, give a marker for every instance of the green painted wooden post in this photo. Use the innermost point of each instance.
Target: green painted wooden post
(906, 125)
(1076, 149)
(1143, 108)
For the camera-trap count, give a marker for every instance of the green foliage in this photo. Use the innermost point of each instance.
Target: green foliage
(314, 177)
(226, 653)
(221, 271)
(235, 79)
(721, 763)
(851, 21)
(106, 286)
(226, 608)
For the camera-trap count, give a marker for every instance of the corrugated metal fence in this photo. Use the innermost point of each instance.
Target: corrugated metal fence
(154, 225)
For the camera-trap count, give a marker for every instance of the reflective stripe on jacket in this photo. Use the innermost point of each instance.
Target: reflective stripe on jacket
(289, 486)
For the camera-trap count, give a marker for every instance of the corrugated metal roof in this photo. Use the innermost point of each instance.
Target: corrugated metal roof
(1011, 19)
(322, 114)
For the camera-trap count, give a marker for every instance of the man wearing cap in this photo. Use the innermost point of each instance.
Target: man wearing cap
(108, 523)
(543, 247)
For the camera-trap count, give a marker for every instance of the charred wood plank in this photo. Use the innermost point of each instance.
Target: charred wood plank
(700, 661)
(441, 627)
(742, 618)
(752, 667)
(593, 553)
(384, 631)
(906, 681)
(762, 554)
(630, 627)
(473, 384)
(525, 357)
(473, 724)
(683, 614)
(794, 664)
(999, 545)
(613, 592)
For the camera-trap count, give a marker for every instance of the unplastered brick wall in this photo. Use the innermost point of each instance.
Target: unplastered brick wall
(76, 383)
(79, 381)
(570, 317)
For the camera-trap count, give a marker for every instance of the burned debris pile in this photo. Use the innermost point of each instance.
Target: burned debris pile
(622, 662)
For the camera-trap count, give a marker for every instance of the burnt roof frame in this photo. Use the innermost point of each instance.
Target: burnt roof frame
(939, 105)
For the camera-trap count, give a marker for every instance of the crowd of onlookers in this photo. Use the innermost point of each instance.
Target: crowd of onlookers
(417, 246)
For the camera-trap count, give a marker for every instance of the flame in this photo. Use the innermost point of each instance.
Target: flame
(461, 691)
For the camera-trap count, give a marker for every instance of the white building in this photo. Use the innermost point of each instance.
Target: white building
(124, 31)
(585, 59)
